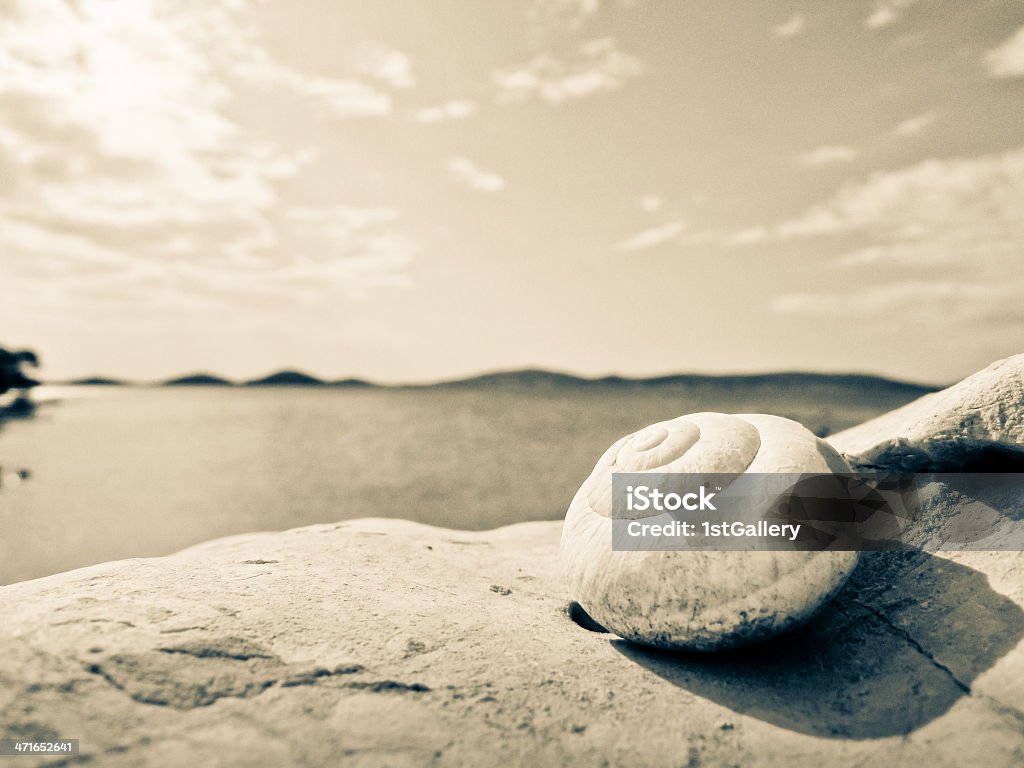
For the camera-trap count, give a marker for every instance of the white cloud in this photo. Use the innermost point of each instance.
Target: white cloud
(651, 203)
(596, 66)
(882, 16)
(791, 27)
(914, 125)
(239, 51)
(386, 65)
(347, 217)
(125, 164)
(961, 199)
(931, 302)
(343, 98)
(887, 12)
(1007, 60)
(455, 109)
(828, 155)
(749, 236)
(654, 236)
(559, 14)
(229, 48)
(950, 230)
(465, 171)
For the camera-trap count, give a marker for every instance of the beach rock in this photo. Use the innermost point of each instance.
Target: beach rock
(975, 424)
(691, 600)
(384, 642)
(939, 440)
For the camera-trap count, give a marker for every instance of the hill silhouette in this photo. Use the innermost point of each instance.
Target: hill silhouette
(794, 380)
(541, 380)
(351, 383)
(197, 380)
(97, 381)
(287, 379)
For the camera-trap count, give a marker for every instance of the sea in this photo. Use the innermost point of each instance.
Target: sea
(106, 472)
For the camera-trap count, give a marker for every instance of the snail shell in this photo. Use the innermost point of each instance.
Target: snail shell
(700, 600)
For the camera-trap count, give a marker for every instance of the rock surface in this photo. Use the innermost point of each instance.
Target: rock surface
(385, 642)
(977, 423)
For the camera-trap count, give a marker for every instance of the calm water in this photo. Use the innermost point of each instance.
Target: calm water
(136, 472)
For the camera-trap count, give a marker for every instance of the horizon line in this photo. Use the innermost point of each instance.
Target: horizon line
(312, 379)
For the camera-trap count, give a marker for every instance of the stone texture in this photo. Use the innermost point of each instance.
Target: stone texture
(975, 424)
(384, 642)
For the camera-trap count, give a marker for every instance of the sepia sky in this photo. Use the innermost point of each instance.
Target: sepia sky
(427, 188)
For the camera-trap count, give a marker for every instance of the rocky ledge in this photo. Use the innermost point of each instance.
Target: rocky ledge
(385, 642)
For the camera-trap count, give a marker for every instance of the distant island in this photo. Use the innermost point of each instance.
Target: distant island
(300, 379)
(542, 379)
(97, 381)
(198, 380)
(539, 379)
(287, 379)
(352, 383)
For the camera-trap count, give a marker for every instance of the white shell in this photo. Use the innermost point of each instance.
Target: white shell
(699, 600)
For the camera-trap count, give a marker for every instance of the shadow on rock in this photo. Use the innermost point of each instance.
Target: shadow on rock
(898, 647)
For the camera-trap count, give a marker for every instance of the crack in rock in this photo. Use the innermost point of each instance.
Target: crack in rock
(235, 648)
(386, 686)
(198, 674)
(313, 676)
(913, 643)
(177, 630)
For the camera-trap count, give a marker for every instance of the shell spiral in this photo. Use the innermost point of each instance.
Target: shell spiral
(699, 600)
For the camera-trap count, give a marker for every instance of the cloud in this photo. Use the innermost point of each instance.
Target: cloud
(465, 171)
(887, 13)
(130, 174)
(945, 233)
(343, 98)
(934, 303)
(652, 237)
(792, 27)
(561, 14)
(386, 65)
(596, 66)
(651, 203)
(828, 155)
(749, 236)
(1007, 60)
(227, 44)
(945, 205)
(914, 125)
(455, 109)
